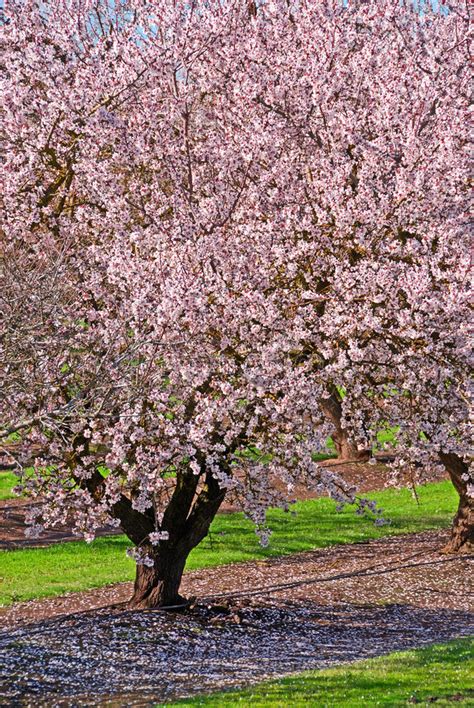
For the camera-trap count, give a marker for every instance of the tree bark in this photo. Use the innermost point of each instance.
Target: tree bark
(158, 585)
(462, 532)
(346, 450)
(186, 519)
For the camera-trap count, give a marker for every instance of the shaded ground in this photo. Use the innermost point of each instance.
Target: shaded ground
(135, 659)
(305, 611)
(12, 511)
(12, 528)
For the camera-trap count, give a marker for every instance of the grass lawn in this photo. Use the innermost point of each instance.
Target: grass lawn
(66, 567)
(442, 674)
(7, 481)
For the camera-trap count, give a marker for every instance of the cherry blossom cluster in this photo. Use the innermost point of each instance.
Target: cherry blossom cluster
(213, 218)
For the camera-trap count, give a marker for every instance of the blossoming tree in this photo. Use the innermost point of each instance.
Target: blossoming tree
(378, 105)
(209, 208)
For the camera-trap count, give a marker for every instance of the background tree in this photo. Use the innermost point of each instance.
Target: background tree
(379, 267)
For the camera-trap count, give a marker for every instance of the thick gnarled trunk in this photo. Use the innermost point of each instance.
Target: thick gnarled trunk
(187, 520)
(158, 585)
(345, 448)
(462, 532)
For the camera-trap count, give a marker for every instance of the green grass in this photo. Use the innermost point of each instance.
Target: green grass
(66, 567)
(388, 435)
(7, 481)
(441, 674)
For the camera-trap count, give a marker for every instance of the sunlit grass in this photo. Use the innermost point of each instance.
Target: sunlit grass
(442, 674)
(7, 481)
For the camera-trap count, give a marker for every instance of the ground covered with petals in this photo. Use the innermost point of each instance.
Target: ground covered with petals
(307, 611)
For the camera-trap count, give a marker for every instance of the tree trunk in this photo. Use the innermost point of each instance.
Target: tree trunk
(187, 519)
(158, 585)
(462, 532)
(187, 523)
(346, 450)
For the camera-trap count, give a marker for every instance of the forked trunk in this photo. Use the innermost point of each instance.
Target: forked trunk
(345, 448)
(462, 532)
(158, 585)
(187, 521)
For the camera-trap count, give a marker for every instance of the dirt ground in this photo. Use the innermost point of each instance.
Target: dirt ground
(246, 621)
(407, 569)
(13, 526)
